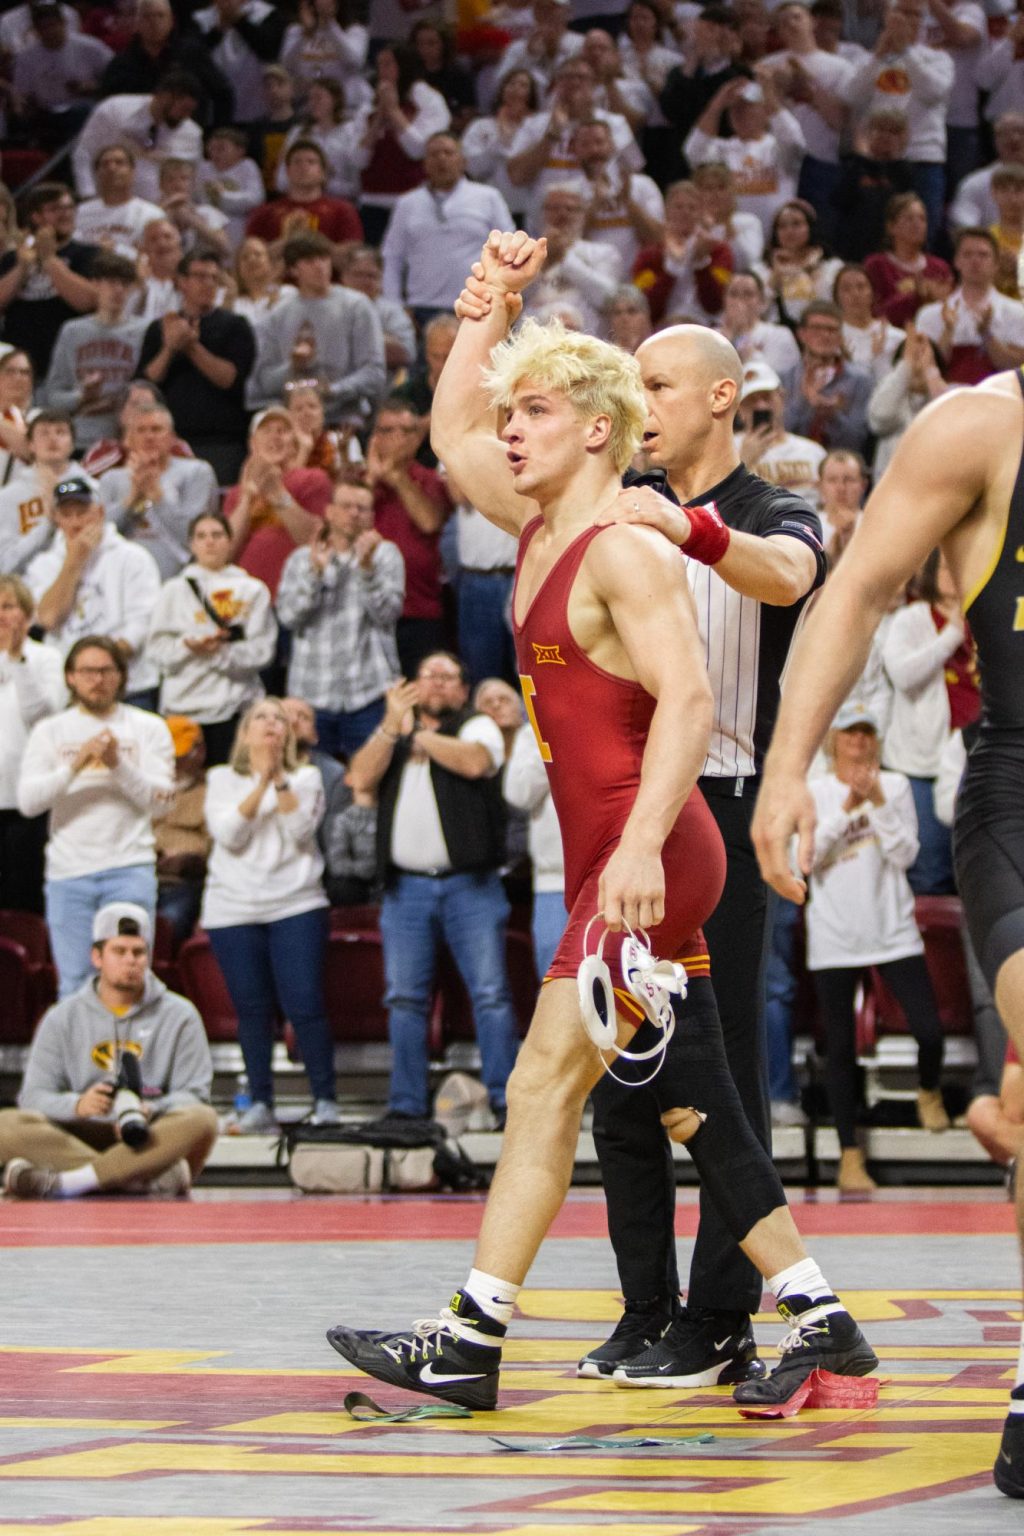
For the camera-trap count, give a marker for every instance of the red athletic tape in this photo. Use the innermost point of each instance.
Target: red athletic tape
(822, 1389)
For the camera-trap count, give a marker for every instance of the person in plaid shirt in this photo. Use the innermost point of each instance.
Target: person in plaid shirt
(341, 596)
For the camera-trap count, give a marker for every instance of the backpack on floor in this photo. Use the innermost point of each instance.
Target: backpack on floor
(375, 1158)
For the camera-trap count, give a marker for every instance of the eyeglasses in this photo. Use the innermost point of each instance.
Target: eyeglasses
(440, 677)
(96, 672)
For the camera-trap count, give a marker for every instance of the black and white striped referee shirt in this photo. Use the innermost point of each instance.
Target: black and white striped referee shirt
(746, 642)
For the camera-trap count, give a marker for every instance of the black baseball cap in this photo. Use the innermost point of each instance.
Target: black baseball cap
(80, 487)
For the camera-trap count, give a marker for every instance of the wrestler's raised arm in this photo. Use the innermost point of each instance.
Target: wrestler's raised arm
(640, 578)
(463, 424)
(933, 492)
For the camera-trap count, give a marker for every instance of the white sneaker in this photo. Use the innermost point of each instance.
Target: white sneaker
(461, 1105)
(325, 1112)
(175, 1181)
(786, 1114)
(258, 1120)
(24, 1181)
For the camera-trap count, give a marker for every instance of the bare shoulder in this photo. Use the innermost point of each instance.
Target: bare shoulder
(629, 552)
(969, 419)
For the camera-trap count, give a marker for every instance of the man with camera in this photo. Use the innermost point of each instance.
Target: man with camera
(116, 1091)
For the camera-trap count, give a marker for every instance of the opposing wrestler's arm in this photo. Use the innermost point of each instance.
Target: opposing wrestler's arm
(937, 476)
(463, 424)
(640, 578)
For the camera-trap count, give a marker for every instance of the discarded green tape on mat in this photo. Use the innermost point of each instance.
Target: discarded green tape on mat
(603, 1443)
(363, 1409)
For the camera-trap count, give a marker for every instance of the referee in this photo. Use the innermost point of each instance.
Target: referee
(748, 605)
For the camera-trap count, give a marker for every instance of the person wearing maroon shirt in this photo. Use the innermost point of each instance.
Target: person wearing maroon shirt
(905, 276)
(410, 507)
(275, 506)
(304, 205)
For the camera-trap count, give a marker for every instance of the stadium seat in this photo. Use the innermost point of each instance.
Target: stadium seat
(203, 983)
(30, 931)
(17, 1018)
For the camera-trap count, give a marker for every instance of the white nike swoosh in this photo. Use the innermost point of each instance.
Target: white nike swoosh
(663, 1368)
(721, 1343)
(427, 1375)
(1008, 1459)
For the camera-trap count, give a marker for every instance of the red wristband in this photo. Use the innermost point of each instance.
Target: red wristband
(709, 536)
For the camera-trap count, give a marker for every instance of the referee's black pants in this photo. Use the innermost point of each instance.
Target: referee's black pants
(633, 1150)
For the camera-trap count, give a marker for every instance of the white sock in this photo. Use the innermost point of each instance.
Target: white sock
(496, 1300)
(77, 1181)
(803, 1279)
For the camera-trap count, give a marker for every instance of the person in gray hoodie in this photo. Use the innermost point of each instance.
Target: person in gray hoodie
(76, 1131)
(327, 333)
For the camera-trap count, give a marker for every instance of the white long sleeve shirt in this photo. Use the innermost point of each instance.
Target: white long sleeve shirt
(526, 787)
(100, 818)
(587, 276)
(433, 237)
(915, 655)
(918, 83)
(129, 119)
(30, 689)
(1001, 74)
(116, 594)
(861, 907)
(268, 867)
(213, 687)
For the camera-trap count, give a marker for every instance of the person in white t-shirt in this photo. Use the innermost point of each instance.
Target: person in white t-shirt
(861, 913)
(811, 83)
(625, 209)
(765, 152)
(92, 581)
(904, 74)
(31, 687)
(870, 342)
(264, 906)
(100, 768)
(115, 217)
(200, 225)
(842, 486)
(578, 272)
(742, 323)
(977, 330)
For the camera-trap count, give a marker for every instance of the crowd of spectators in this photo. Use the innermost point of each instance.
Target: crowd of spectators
(224, 313)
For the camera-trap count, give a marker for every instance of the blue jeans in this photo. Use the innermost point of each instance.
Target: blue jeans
(343, 732)
(71, 906)
(485, 640)
(819, 182)
(469, 913)
(929, 182)
(781, 986)
(931, 873)
(547, 927)
(279, 965)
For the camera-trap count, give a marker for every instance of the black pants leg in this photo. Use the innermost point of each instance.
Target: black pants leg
(911, 986)
(22, 846)
(636, 1162)
(836, 989)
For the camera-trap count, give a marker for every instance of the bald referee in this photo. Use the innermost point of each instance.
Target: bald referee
(749, 599)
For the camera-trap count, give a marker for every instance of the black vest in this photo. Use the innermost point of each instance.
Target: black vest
(472, 811)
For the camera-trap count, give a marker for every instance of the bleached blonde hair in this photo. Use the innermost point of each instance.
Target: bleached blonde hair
(596, 378)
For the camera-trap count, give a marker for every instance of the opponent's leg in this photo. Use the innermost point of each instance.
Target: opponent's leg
(456, 1356)
(1008, 1471)
(700, 1106)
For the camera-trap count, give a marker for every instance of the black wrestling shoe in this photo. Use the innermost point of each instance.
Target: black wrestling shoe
(1008, 1472)
(640, 1326)
(819, 1340)
(701, 1348)
(430, 1357)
